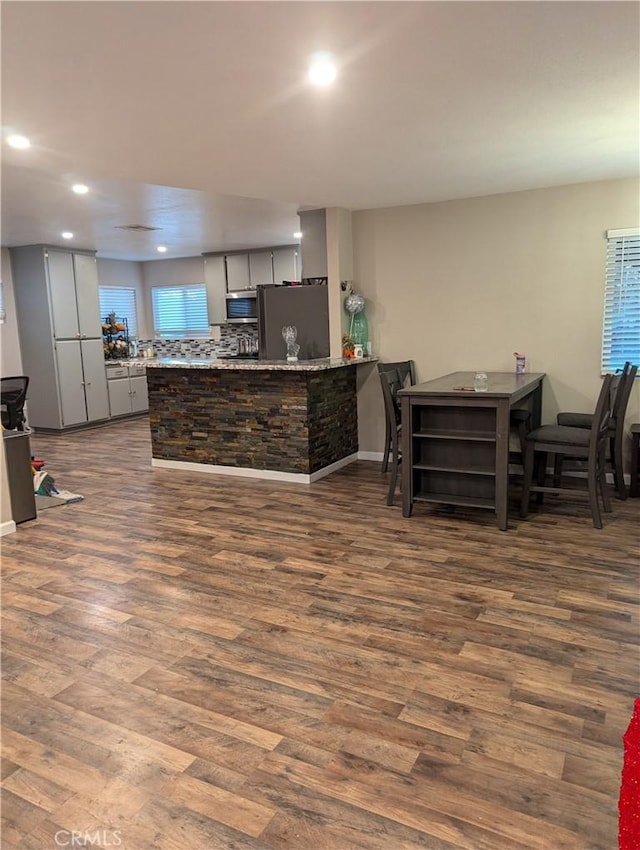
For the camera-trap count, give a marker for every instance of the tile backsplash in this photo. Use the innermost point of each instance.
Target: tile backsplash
(229, 343)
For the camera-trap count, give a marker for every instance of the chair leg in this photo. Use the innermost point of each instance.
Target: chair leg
(594, 483)
(602, 479)
(393, 481)
(618, 472)
(527, 480)
(541, 473)
(385, 459)
(557, 470)
(387, 449)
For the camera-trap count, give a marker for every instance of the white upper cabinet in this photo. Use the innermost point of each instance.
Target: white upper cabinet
(73, 283)
(313, 224)
(238, 272)
(215, 278)
(64, 312)
(88, 301)
(260, 268)
(286, 264)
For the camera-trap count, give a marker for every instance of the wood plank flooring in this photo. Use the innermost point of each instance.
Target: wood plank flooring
(199, 662)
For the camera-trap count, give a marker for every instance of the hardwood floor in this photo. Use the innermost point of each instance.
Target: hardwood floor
(199, 662)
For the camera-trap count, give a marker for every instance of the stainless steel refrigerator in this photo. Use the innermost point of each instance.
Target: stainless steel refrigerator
(306, 307)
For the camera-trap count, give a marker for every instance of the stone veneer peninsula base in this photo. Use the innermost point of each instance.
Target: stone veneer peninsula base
(294, 422)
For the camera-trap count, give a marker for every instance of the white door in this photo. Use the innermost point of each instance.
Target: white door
(71, 381)
(86, 277)
(62, 290)
(95, 379)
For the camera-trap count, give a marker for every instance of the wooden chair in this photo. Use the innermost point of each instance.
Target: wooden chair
(391, 382)
(573, 442)
(13, 394)
(620, 391)
(405, 372)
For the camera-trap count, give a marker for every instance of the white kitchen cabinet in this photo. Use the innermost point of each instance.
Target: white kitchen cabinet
(73, 283)
(119, 396)
(286, 264)
(58, 314)
(260, 268)
(127, 390)
(139, 394)
(82, 381)
(215, 279)
(313, 224)
(237, 272)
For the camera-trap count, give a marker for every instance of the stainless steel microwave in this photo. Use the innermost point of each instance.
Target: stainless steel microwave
(242, 307)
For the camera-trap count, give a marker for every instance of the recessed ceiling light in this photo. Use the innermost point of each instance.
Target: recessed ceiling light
(67, 235)
(323, 70)
(19, 142)
(80, 189)
(297, 234)
(161, 249)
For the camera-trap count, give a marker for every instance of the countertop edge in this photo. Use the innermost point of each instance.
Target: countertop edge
(318, 365)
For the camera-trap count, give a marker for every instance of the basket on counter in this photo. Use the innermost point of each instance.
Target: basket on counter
(115, 337)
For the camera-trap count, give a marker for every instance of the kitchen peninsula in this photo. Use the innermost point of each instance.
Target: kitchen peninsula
(268, 419)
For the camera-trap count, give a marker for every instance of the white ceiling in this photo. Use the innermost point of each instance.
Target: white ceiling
(179, 115)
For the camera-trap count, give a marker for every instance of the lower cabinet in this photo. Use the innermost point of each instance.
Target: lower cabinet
(127, 391)
(82, 382)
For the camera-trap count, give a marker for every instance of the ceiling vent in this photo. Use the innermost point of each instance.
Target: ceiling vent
(137, 228)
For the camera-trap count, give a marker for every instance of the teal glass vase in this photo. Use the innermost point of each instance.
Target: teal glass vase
(359, 330)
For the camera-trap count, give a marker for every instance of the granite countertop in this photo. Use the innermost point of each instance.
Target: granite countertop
(253, 365)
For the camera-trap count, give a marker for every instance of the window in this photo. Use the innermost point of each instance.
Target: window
(621, 322)
(180, 311)
(120, 300)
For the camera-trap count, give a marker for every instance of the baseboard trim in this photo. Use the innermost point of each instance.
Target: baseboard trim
(375, 456)
(8, 527)
(249, 472)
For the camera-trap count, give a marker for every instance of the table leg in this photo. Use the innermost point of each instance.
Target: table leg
(407, 459)
(502, 463)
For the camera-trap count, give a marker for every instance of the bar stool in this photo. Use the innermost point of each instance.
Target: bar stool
(589, 445)
(404, 372)
(634, 489)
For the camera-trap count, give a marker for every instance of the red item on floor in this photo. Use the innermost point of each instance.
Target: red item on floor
(37, 463)
(629, 802)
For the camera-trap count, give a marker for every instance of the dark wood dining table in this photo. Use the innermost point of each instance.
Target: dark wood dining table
(455, 440)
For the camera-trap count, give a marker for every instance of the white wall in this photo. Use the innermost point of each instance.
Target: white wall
(128, 274)
(11, 358)
(462, 285)
(179, 272)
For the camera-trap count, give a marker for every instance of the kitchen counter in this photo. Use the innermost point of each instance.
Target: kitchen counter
(252, 364)
(268, 419)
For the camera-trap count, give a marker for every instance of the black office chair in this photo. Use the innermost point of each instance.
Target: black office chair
(405, 372)
(573, 442)
(620, 391)
(13, 393)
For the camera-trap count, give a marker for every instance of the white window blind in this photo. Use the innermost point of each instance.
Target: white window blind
(180, 311)
(621, 321)
(120, 300)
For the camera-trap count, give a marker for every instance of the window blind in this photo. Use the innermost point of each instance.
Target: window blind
(621, 319)
(180, 311)
(120, 300)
